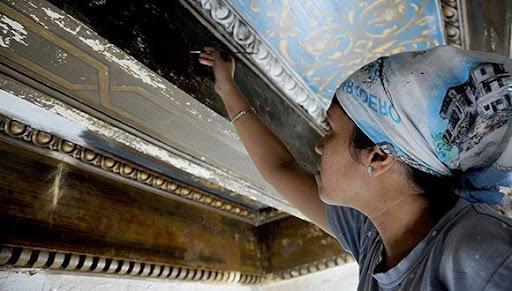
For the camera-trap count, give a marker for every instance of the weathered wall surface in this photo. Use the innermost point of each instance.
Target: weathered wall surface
(341, 278)
(24, 281)
(338, 278)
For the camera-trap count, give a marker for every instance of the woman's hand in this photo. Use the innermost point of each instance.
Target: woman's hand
(223, 69)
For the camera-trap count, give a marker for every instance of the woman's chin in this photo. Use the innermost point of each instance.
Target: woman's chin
(322, 194)
(327, 197)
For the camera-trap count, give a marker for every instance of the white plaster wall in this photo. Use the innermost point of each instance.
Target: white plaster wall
(43, 281)
(339, 278)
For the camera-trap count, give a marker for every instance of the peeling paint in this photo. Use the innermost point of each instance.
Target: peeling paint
(11, 31)
(125, 62)
(111, 53)
(52, 14)
(59, 20)
(38, 21)
(129, 64)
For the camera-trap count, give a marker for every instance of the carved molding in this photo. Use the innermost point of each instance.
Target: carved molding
(453, 22)
(26, 257)
(136, 173)
(22, 257)
(220, 13)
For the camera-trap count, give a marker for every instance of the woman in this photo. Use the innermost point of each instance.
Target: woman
(409, 131)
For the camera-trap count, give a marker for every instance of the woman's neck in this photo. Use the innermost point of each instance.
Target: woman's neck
(402, 224)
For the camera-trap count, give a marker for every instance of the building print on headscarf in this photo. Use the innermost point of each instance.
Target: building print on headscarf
(478, 107)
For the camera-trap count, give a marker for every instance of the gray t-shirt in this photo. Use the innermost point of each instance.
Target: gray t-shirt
(470, 248)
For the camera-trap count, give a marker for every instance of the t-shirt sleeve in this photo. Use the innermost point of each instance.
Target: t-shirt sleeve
(502, 278)
(349, 227)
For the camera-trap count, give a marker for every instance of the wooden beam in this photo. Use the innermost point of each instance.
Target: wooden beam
(296, 247)
(49, 204)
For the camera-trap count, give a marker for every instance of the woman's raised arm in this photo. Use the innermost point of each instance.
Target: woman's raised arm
(271, 157)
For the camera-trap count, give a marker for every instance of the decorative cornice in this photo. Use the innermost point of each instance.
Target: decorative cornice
(135, 173)
(310, 268)
(23, 257)
(26, 257)
(453, 22)
(226, 19)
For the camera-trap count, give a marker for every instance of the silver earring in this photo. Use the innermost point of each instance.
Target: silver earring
(370, 171)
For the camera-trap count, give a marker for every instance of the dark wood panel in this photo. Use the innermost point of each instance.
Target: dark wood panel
(80, 211)
(291, 242)
(489, 25)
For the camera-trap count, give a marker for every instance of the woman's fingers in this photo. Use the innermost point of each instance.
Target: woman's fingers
(207, 62)
(206, 56)
(212, 52)
(213, 57)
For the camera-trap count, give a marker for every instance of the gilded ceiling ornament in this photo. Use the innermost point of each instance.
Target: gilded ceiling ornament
(324, 41)
(229, 22)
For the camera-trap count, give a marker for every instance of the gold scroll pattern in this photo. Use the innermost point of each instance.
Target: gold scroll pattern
(371, 29)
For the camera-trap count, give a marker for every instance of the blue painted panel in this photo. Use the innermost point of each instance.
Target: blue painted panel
(324, 41)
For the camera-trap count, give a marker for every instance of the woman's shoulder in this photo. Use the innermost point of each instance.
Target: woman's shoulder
(476, 245)
(352, 229)
(480, 225)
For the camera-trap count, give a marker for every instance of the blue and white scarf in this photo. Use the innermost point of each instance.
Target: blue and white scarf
(445, 111)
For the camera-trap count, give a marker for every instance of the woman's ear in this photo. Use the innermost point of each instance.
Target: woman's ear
(379, 161)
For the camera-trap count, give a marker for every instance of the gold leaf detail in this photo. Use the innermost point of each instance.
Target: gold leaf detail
(43, 138)
(108, 162)
(16, 128)
(127, 169)
(67, 147)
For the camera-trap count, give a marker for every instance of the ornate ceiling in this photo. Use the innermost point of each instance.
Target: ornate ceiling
(308, 47)
(325, 41)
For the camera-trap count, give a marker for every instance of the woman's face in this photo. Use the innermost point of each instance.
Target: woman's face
(340, 179)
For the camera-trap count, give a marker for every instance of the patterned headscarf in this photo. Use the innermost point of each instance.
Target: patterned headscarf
(444, 111)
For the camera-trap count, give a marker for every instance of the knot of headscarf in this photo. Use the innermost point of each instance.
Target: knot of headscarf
(443, 111)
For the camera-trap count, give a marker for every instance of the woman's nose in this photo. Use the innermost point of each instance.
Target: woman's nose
(319, 146)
